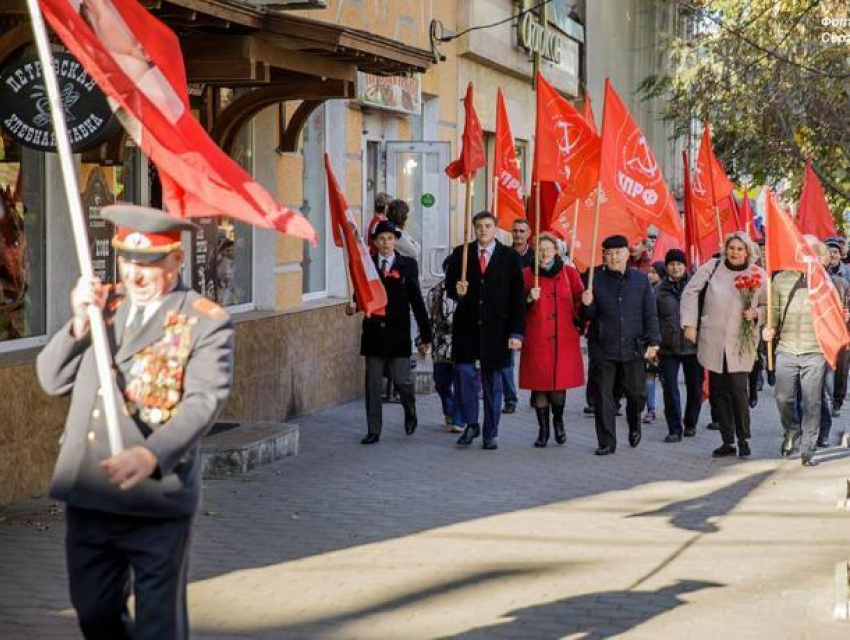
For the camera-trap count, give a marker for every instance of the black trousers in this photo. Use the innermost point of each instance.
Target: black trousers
(729, 398)
(633, 380)
(103, 550)
(839, 391)
(590, 388)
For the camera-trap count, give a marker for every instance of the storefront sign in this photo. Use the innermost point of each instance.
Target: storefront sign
(395, 93)
(536, 38)
(25, 111)
(97, 195)
(204, 258)
(428, 200)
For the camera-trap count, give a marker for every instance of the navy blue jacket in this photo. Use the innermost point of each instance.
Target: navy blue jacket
(623, 316)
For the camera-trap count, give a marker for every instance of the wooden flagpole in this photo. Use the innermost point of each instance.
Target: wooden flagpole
(466, 219)
(97, 327)
(575, 233)
(595, 237)
(537, 235)
(770, 366)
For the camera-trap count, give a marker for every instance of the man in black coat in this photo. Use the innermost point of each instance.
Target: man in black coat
(623, 333)
(489, 323)
(386, 338)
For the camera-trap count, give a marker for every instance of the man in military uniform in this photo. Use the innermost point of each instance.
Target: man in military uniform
(131, 513)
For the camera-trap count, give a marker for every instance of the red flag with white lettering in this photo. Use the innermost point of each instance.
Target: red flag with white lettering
(813, 212)
(136, 60)
(369, 292)
(628, 169)
(510, 204)
(785, 248)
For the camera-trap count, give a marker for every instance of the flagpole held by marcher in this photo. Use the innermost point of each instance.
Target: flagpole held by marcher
(575, 232)
(537, 235)
(595, 237)
(769, 274)
(466, 219)
(97, 326)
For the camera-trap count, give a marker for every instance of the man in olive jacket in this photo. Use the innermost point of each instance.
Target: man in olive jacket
(133, 511)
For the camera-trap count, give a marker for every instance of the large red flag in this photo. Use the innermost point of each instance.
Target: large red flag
(748, 217)
(137, 62)
(785, 248)
(693, 249)
(629, 171)
(510, 204)
(472, 156)
(369, 292)
(813, 212)
(663, 243)
(710, 187)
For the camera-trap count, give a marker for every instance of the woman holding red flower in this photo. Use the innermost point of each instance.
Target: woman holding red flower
(723, 307)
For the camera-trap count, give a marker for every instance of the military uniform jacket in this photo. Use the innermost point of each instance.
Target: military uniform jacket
(389, 335)
(174, 377)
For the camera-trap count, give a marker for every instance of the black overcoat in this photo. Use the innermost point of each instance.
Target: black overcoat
(388, 336)
(493, 309)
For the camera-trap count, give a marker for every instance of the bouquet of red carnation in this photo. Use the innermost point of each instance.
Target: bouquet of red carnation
(747, 284)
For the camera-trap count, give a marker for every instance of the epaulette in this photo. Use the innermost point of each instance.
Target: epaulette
(209, 308)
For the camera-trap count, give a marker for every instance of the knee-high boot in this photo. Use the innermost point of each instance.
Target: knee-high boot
(558, 423)
(543, 423)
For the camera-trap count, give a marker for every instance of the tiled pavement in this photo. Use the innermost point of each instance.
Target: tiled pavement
(414, 538)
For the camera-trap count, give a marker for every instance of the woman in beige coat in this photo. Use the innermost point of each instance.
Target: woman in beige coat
(726, 334)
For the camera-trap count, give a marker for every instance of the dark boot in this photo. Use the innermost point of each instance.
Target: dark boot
(558, 423)
(543, 424)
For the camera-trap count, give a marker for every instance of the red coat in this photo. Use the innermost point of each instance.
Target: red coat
(551, 357)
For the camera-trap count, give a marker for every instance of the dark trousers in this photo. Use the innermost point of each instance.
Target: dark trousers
(466, 392)
(398, 370)
(102, 550)
(508, 384)
(729, 397)
(633, 380)
(839, 389)
(669, 374)
(590, 388)
(444, 385)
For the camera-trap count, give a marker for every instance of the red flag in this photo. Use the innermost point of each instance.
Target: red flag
(748, 218)
(813, 212)
(785, 248)
(137, 62)
(472, 156)
(588, 112)
(629, 171)
(509, 201)
(369, 292)
(693, 250)
(708, 173)
(663, 243)
(566, 148)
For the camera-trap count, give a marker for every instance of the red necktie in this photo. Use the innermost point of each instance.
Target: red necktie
(482, 261)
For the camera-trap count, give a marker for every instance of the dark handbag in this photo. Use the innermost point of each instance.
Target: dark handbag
(702, 293)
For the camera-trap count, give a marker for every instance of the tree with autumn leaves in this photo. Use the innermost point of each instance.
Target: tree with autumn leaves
(772, 78)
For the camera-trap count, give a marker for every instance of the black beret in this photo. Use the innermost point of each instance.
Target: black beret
(385, 226)
(615, 242)
(675, 255)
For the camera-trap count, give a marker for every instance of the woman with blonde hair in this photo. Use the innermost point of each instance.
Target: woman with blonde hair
(723, 307)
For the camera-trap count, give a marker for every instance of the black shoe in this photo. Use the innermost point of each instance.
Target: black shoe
(712, 426)
(788, 444)
(690, 432)
(634, 438)
(490, 445)
(370, 438)
(588, 411)
(771, 378)
(724, 451)
(743, 449)
(604, 451)
(410, 421)
(808, 460)
(510, 407)
(558, 423)
(471, 432)
(836, 412)
(673, 437)
(822, 444)
(543, 426)
(754, 400)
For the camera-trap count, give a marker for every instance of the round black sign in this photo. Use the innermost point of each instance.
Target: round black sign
(25, 111)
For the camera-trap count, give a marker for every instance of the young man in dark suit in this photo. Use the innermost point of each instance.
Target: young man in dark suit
(386, 339)
(489, 323)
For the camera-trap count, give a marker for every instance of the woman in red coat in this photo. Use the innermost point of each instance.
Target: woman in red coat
(551, 359)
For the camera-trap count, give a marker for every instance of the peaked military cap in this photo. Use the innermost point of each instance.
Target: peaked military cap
(144, 234)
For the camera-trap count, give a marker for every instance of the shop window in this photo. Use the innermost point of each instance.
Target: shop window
(314, 263)
(22, 242)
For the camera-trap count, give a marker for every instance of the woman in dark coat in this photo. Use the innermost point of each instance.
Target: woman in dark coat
(551, 360)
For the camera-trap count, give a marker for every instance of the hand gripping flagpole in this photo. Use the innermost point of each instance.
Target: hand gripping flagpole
(75, 209)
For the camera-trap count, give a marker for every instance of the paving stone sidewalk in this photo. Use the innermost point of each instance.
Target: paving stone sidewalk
(413, 538)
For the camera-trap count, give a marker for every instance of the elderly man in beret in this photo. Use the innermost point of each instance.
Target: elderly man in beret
(623, 334)
(129, 515)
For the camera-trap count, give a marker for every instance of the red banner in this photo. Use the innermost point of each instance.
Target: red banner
(369, 292)
(813, 212)
(708, 174)
(472, 156)
(136, 60)
(786, 248)
(510, 204)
